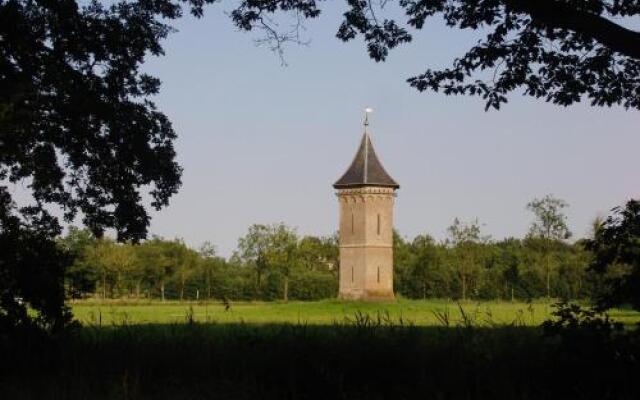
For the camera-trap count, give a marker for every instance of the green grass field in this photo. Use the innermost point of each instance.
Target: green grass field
(418, 312)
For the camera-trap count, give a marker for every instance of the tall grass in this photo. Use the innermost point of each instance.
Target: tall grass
(367, 356)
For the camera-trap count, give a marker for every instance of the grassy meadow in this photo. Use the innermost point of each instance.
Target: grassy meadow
(327, 312)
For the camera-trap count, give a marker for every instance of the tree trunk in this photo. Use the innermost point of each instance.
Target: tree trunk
(555, 14)
(464, 287)
(463, 277)
(258, 279)
(579, 287)
(548, 276)
(182, 289)
(162, 291)
(138, 290)
(104, 285)
(208, 284)
(286, 289)
(115, 288)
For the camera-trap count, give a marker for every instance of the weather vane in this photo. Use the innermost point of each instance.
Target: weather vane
(367, 111)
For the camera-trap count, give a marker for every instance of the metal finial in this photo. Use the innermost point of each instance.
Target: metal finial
(367, 111)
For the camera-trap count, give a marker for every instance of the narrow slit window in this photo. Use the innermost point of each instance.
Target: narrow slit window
(378, 224)
(378, 274)
(352, 274)
(352, 218)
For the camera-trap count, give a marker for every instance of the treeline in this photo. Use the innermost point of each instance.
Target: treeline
(509, 269)
(272, 262)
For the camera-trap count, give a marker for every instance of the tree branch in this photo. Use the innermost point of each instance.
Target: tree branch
(554, 14)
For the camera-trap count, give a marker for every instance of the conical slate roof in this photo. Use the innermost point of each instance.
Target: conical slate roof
(366, 169)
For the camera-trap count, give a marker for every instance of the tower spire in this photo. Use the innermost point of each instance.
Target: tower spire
(365, 169)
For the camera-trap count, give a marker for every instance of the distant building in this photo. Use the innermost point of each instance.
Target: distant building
(366, 194)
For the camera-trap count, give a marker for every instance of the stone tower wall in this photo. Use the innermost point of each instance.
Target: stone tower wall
(366, 243)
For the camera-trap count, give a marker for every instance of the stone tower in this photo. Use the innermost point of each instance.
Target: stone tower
(366, 194)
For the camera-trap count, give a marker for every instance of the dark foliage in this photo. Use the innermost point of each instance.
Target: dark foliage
(574, 324)
(31, 272)
(616, 249)
(76, 122)
(589, 338)
(368, 358)
(78, 130)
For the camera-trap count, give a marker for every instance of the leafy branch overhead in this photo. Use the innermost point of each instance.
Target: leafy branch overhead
(558, 50)
(79, 124)
(78, 130)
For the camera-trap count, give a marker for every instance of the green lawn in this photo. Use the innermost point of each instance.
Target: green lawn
(418, 312)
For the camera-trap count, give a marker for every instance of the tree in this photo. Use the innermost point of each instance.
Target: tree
(424, 269)
(616, 249)
(77, 120)
(557, 50)
(207, 252)
(77, 126)
(572, 271)
(286, 259)
(114, 261)
(174, 260)
(549, 226)
(402, 260)
(550, 223)
(252, 248)
(80, 276)
(186, 264)
(269, 248)
(466, 238)
(97, 256)
(211, 272)
(156, 257)
(510, 258)
(318, 253)
(122, 261)
(282, 254)
(31, 272)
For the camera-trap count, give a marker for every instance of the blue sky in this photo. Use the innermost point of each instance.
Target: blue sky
(262, 143)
